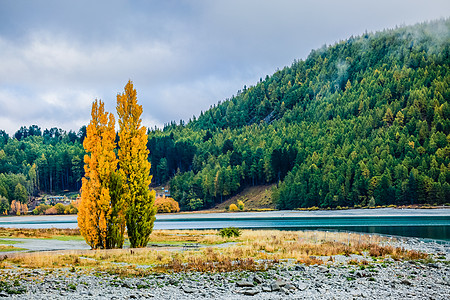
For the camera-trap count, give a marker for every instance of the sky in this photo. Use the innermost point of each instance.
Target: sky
(57, 57)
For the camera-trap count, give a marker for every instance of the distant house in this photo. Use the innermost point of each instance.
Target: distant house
(162, 192)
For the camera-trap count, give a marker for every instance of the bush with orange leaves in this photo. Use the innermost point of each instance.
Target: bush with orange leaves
(166, 205)
(18, 208)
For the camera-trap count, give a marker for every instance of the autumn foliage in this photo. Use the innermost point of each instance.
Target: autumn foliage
(95, 217)
(166, 205)
(135, 167)
(115, 190)
(18, 208)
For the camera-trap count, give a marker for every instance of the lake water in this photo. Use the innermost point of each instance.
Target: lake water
(423, 223)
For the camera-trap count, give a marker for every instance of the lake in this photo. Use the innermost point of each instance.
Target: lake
(423, 223)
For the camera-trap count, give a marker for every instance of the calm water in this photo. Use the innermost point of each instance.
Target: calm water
(433, 224)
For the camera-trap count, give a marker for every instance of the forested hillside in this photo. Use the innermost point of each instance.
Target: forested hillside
(365, 118)
(33, 161)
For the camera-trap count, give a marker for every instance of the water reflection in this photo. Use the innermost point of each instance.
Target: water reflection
(434, 224)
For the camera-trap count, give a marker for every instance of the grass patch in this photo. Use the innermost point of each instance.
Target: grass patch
(253, 250)
(37, 233)
(170, 243)
(7, 242)
(8, 248)
(12, 289)
(67, 238)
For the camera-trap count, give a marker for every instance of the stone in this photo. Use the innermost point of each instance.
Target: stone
(274, 286)
(244, 283)
(290, 286)
(284, 290)
(250, 292)
(300, 268)
(188, 290)
(3, 295)
(127, 284)
(362, 274)
(281, 282)
(406, 282)
(302, 286)
(431, 265)
(266, 289)
(258, 279)
(322, 269)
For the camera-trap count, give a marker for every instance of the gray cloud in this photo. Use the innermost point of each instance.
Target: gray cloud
(183, 56)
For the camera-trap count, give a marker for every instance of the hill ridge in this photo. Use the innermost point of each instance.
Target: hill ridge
(365, 118)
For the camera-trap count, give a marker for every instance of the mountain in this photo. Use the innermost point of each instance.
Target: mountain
(364, 121)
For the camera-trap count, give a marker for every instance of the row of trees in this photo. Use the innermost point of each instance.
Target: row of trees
(115, 190)
(40, 163)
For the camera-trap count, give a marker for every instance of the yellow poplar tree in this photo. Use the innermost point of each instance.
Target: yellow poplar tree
(101, 213)
(133, 162)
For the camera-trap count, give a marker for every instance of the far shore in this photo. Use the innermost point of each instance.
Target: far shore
(371, 210)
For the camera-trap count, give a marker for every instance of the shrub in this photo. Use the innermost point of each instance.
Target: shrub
(240, 205)
(233, 207)
(59, 208)
(166, 205)
(312, 208)
(230, 232)
(70, 210)
(40, 210)
(51, 211)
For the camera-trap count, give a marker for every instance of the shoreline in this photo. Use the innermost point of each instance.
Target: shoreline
(421, 223)
(340, 279)
(345, 277)
(306, 210)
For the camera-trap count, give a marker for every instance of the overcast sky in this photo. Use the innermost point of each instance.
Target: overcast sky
(57, 56)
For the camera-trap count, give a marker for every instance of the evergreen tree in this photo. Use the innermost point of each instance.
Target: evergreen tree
(20, 193)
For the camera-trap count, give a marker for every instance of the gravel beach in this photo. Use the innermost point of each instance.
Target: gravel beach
(380, 279)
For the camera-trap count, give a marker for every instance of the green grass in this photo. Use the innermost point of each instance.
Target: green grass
(67, 238)
(10, 248)
(6, 242)
(171, 243)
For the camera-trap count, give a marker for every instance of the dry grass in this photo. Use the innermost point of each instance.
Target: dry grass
(37, 233)
(253, 250)
(206, 237)
(254, 198)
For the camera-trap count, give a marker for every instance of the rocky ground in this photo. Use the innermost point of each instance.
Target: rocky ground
(381, 280)
(338, 279)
